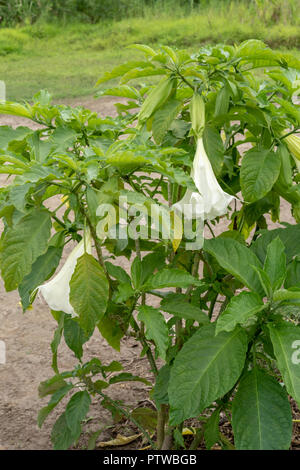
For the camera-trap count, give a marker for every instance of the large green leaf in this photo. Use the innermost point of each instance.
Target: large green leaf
(177, 305)
(42, 269)
(89, 292)
(214, 148)
(211, 429)
(63, 138)
(170, 278)
(259, 172)
(62, 436)
(293, 274)
(239, 310)
(156, 328)
(160, 390)
(22, 244)
(7, 134)
(204, 370)
(275, 263)
(74, 336)
(77, 409)
(163, 118)
(118, 273)
(237, 259)
(122, 69)
(289, 236)
(285, 338)
(55, 399)
(261, 414)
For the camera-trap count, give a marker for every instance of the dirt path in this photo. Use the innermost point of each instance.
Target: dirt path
(28, 337)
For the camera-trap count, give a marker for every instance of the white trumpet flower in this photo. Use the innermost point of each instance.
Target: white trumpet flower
(211, 201)
(56, 292)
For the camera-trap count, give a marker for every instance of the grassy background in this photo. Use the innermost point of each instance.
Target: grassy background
(68, 57)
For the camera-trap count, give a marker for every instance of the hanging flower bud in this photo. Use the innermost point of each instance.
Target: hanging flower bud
(293, 143)
(197, 113)
(56, 291)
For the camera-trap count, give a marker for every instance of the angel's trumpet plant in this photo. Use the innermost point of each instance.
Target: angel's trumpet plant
(293, 143)
(56, 292)
(210, 201)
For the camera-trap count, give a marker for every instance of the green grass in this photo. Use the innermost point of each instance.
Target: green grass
(68, 59)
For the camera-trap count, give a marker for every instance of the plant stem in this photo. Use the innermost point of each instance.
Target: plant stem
(146, 346)
(197, 439)
(162, 414)
(212, 305)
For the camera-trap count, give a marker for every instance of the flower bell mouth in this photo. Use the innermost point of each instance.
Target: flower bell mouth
(56, 292)
(211, 201)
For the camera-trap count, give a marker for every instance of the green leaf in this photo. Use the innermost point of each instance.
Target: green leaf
(62, 138)
(286, 294)
(285, 338)
(61, 436)
(22, 244)
(163, 119)
(204, 370)
(146, 417)
(122, 90)
(7, 134)
(39, 149)
(36, 173)
(77, 409)
(127, 377)
(50, 386)
(89, 291)
(42, 269)
(172, 277)
(156, 328)
(261, 414)
(17, 196)
(160, 390)
(177, 306)
(15, 109)
(289, 236)
(214, 148)
(259, 172)
(211, 429)
(293, 274)
(114, 324)
(240, 308)
(74, 336)
(151, 263)
(275, 263)
(56, 340)
(142, 72)
(55, 399)
(236, 259)
(120, 70)
(123, 293)
(264, 280)
(222, 101)
(118, 273)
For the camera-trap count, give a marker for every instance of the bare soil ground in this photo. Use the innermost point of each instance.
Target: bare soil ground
(28, 362)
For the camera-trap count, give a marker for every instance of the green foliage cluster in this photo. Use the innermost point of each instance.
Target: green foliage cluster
(230, 345)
